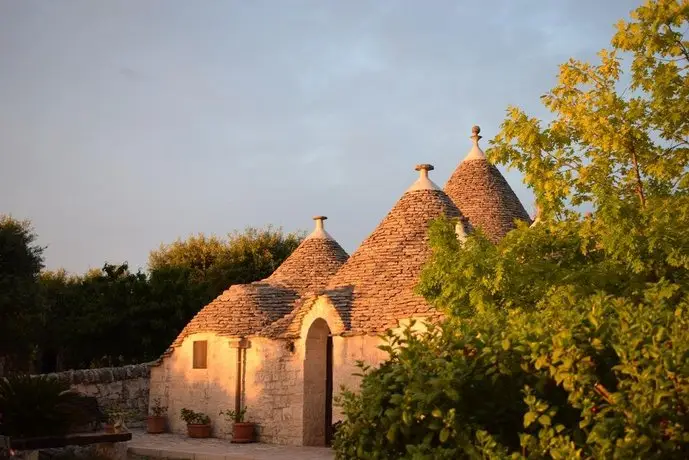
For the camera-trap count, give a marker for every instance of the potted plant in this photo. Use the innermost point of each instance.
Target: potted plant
(155, 423)
(115, 420)
(242, 431)
(198, 423)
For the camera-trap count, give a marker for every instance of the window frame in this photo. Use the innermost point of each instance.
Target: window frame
(200, 350)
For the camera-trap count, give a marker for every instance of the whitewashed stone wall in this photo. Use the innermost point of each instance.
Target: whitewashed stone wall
(127, 387)
(178, 385)
(346, 352)
(274, 389)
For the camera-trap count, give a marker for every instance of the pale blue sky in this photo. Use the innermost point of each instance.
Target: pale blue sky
(128, 123)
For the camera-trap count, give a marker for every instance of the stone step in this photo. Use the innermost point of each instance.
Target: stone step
(173, 446)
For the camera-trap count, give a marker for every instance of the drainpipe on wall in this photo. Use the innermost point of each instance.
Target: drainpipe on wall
(238, 387)
(241, 345)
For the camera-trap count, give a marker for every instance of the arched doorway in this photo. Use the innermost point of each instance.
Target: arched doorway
(318, 385)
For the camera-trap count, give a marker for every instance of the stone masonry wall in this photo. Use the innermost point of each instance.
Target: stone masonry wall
(274, 389)
(126, 387)
(272, 394)
(178, 385)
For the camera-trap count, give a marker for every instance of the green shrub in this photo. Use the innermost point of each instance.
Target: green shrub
(234, 415)
(606, 379)
(37, 406)
(191, 417)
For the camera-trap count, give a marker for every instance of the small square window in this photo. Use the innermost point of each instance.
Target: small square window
(200, 354)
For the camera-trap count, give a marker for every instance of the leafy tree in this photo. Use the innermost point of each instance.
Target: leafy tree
(113, 316)
(21, 260)
(241, 258)
(255, 253)
(198, 253)
(602, 377)
(94, 320)
(607, 140)
(59, 300)
(567, 339)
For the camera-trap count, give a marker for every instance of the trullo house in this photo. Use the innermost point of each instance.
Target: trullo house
(282, 346)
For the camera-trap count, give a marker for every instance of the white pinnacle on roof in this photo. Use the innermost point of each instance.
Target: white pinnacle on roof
(423, 182)
(319, 231)
(460, 231)
(475, 153)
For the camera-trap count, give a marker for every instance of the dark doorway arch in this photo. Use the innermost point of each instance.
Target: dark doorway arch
(318, 385)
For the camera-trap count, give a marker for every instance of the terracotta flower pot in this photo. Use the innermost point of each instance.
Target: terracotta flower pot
(155, 424)
(243, 432)
(199, 431)
(108, 427)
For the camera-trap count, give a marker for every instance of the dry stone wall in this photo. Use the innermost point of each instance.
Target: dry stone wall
(126, 387)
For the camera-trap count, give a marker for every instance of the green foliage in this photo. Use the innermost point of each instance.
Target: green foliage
(51, 320)
(104, 318)
(428, 397)
(20, 263)
(607, 140)
(595, 376)
(112, 316)
(37, 406)
(568, 339)
(116, 415)
(158, 410)
(194, 418)
(234, 415)
(241, 258)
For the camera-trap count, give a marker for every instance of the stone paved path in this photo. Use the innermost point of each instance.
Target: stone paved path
(177, 446)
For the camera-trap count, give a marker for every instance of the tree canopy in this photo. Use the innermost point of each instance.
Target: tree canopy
(240, 258)
(21, 260)
(611, 137)
(51, 320)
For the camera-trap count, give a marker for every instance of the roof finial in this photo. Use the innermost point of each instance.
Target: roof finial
(476, 153)
(475, 130)
(423, 169)
(319, 221)
(423, 182)
(319, 231)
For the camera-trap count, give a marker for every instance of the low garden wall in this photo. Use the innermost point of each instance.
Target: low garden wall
(125, 387)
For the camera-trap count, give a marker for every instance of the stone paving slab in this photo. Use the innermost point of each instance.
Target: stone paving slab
(175, 446)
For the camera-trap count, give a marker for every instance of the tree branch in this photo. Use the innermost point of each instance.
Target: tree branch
(637, 172)
(684, 49)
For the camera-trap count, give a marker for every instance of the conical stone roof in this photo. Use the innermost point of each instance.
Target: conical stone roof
(312, 264)
(245, 309)
(483, 195)
(374, 289)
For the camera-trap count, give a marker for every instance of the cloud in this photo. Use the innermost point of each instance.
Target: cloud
(131, 74)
